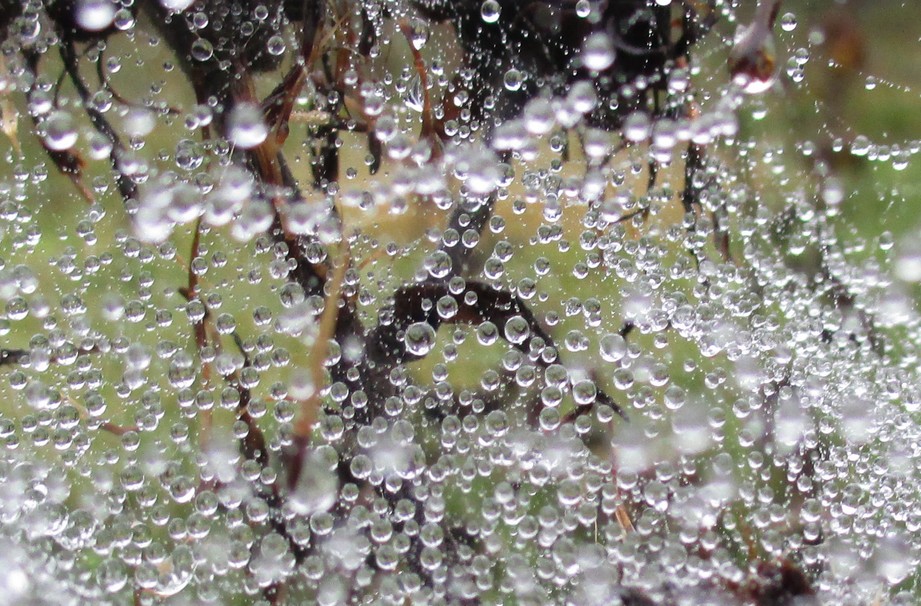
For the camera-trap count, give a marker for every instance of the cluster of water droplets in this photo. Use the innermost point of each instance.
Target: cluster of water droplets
(689, 393)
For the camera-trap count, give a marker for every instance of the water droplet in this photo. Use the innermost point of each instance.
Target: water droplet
(788, 22)
(637, 127)
(517, 330)
(490, 11)
(419, 338)
(60, 131)
(752, 60)
(597, 52)
(95, 15)
(246, 127)
(613, 347)
(176, 6)
(202, 50)
(276, 45)
(513, 79)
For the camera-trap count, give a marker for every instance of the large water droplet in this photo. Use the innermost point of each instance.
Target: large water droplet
(419, 338)
(246, 127)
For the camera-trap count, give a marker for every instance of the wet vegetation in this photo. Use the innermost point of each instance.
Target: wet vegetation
(458, 302)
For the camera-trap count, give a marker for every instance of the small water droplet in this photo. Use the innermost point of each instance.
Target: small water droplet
(788, 22)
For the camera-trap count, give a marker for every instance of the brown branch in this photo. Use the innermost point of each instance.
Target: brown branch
(278, 106)
(8, 357)
(428, 120)
(106, 82)
(191, 293)
(68, 163)
(126, 186)
(310, 407)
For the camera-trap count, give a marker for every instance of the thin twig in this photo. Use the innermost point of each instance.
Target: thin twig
(310, 406)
